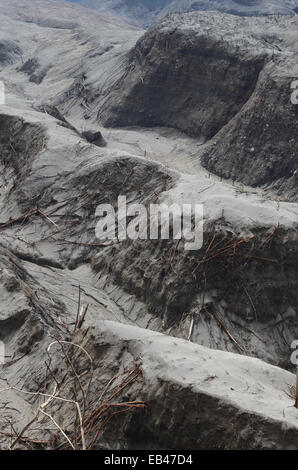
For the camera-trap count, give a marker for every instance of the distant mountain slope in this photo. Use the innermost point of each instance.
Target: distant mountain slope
(144, 11)
(59, 14)
(147, 11)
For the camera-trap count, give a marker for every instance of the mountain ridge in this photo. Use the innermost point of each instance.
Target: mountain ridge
(146, 12)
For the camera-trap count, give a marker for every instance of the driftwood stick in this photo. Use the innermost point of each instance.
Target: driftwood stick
(221, 323)
(48, 219)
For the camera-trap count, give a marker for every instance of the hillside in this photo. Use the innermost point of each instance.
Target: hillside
(139, 342)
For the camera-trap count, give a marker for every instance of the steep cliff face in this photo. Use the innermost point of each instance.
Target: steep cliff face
(221, 77)
(181, 74)
(259, 146)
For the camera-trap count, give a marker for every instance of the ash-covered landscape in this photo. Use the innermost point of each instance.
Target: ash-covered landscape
(135, 342)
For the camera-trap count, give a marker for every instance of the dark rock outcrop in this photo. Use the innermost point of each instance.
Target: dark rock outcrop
(95, 138)
(34, 70)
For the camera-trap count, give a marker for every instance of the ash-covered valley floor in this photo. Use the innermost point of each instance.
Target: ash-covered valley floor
(193, 347)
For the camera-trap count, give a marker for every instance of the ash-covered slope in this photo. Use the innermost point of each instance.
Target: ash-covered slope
(225, 80)
(237, 294)
(148, 11)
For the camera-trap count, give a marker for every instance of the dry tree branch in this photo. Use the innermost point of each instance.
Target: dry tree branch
(41, 409)
(60, 429)
(83, 425)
